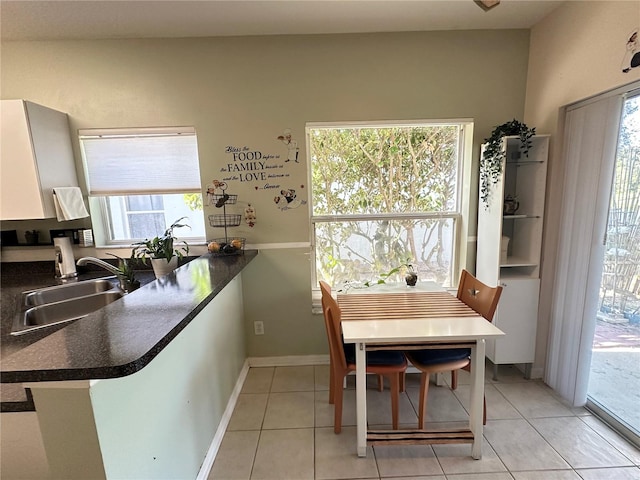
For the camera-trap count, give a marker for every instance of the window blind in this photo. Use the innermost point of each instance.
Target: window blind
(590, 134)
(140, 161)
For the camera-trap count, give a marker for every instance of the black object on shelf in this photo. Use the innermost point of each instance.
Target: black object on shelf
(71, 233)
(31, 237)
(9, 238)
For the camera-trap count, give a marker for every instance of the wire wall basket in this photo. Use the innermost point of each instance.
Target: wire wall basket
(225, 220)
(218, 199)
(227, 245)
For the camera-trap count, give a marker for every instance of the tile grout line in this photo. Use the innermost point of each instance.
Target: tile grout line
(379, 476)
(607, 440)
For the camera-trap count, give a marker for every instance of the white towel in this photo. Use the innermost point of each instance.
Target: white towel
(69, 204)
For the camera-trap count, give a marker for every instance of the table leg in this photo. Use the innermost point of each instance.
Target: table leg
(361, 398)
(477, 397)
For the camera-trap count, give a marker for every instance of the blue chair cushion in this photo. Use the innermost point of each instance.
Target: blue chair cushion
(386, 357)
(434, 356)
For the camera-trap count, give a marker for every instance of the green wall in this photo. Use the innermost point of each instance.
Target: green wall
(244, 91)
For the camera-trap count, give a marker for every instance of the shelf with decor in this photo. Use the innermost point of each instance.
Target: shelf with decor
(510, 222)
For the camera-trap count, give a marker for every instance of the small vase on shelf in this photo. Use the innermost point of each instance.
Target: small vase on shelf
(511, 205)
(411, 277)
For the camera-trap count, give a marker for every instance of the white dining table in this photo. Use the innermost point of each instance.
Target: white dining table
(409, 319)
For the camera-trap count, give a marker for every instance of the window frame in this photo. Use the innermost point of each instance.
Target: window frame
(98, 201)
(101, 222)
(460, 216)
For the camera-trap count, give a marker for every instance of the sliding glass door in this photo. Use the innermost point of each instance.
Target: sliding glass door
(614, 378)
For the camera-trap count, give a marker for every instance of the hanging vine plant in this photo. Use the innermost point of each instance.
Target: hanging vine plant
(493, 155)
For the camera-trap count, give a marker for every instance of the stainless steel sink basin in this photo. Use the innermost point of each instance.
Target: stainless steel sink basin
(56, 305)
(66, 292)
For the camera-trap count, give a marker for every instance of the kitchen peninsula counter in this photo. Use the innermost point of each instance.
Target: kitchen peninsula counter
(123, 337)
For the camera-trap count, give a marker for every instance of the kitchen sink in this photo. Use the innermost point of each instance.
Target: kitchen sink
(56, 305)
(66, 292)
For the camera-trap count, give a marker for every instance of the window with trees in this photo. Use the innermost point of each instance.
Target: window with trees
(387, 195)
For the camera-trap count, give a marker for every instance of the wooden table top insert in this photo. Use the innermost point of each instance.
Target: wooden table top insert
(401, 305)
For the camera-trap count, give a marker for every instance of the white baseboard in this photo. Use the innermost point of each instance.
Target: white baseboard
(537, 372)
(288, 361)
(207, 464)
(293, 360)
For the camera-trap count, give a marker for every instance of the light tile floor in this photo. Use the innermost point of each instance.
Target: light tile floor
(282, 429)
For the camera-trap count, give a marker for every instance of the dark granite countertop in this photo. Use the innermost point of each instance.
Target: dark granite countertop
(121, 338)
(20, 277)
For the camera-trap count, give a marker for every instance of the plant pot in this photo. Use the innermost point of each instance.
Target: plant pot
(128, 286)
(161, 267)
(31, 238)
(411, 279)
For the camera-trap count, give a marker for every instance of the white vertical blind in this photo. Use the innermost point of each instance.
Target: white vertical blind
(135, 161)
(591, 132)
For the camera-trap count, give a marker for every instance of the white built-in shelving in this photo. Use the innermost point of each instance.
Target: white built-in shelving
(524, 178)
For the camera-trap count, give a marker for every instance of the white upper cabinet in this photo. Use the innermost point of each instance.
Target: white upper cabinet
(36, 156)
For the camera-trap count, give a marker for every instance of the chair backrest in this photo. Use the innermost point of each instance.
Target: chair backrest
(482, 298)
(332, 316)
(325, 289)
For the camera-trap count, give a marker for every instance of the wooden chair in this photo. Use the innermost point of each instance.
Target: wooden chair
(327, 291)
(390, 364)
(484, 301)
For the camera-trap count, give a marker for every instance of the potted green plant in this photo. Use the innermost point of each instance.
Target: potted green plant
(161, 250)
(493, 154)
(126, 275)
(411, 276)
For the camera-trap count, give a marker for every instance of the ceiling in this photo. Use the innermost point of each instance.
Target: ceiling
(93, 19)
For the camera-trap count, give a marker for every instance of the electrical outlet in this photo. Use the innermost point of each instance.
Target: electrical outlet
(258, 328)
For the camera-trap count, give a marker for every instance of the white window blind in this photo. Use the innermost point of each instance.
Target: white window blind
(149, 160)
(590, 135)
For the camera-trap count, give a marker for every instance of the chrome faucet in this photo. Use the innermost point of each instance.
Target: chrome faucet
(123, 272)
(101, 263)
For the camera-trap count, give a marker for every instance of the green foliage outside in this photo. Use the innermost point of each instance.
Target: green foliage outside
(193, 201)
(620, 287)
(379, 171)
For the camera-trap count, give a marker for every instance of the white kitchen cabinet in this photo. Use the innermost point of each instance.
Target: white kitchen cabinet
(523, 177)
(517, 317)
(36, 156)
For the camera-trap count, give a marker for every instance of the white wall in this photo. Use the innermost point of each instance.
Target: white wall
(243, 91)
(575, 53)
